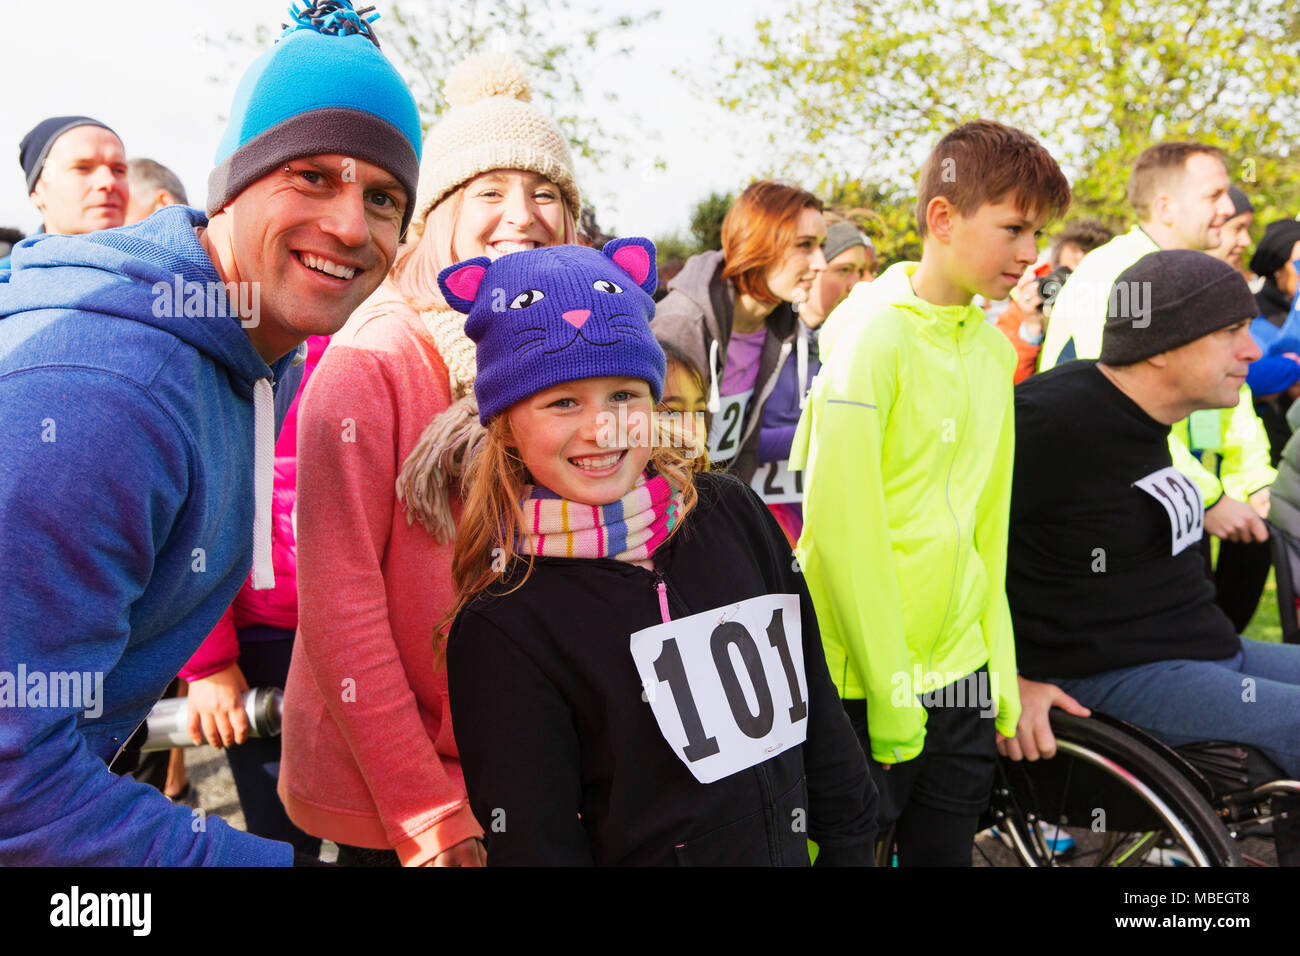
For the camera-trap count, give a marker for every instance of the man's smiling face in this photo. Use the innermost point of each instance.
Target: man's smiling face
(318, 235)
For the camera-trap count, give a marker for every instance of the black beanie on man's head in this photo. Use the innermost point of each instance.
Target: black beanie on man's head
(1169, 298)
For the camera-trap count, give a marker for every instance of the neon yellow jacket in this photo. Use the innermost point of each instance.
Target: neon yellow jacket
(907, 440)
(1078, 317)
(1237, 436)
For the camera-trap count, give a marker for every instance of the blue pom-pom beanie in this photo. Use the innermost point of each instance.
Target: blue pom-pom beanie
(323, 88)
(559, 314)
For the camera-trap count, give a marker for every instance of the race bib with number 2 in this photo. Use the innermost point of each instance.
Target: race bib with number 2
(724, 436)
(727, 686)
(1182, 502)
(776, 484)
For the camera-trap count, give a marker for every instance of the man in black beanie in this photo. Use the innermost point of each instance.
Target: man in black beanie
(75, 169)
(1108, 593)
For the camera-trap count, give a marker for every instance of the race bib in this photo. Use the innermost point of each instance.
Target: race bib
(724, 436)
(727, 686)
(776, 484)
(1181, 499)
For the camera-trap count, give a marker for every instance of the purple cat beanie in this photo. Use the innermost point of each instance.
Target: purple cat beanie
(547, 316)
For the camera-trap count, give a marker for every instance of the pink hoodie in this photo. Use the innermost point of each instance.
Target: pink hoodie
(367, 755)
(277, 607)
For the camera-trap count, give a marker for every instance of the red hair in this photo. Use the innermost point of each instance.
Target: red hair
(758, 230)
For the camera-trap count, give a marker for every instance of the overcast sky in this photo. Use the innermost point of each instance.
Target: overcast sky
(142, 67)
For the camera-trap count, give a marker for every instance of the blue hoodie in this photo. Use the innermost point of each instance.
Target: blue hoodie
(126, 529)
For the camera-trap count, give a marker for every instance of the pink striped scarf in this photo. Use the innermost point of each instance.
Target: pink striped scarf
(629, 529)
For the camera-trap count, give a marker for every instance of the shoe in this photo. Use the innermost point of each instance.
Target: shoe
(1173, 856)
(188, 796)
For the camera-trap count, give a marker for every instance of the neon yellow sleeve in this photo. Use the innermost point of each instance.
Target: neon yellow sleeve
(992, 525)
(1245, 469)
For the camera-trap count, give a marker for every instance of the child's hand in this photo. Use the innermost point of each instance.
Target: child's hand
(465, 853)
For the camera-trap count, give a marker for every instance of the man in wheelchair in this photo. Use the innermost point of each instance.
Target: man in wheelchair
(1108, 592)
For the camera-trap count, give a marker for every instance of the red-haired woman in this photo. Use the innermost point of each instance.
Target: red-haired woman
(732, 310)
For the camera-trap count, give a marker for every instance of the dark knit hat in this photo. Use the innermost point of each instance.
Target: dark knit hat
(36, 145)
(1240, 202)
(1169, 298)
(1274, 250)
(552, 315)
(842, 236)
(323, 88)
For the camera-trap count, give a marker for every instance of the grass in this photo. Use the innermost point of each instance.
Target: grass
(1264, 626)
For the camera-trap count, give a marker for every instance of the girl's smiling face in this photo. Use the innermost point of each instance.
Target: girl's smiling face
(563, 437)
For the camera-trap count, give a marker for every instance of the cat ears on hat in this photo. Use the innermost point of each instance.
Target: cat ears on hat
(634, 255)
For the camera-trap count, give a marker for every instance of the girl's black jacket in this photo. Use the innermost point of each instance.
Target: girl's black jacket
(563, 759)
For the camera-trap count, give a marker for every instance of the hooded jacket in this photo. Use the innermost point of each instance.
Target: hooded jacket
(907, 440)
(258, 614)
(563, 759)
(696, 316)
(128, 399)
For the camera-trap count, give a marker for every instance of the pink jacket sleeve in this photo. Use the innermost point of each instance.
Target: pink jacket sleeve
(218, 651)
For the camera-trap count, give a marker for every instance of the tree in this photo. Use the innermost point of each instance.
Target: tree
(706, 220)
(425, 39)
(858, 90)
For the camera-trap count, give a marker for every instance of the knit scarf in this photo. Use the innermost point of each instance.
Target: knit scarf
(629, 529)
(439, 458)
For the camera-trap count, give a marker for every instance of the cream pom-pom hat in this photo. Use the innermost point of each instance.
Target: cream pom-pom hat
(491, 123)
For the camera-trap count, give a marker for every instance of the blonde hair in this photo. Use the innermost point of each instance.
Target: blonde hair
(414, 275)
(493, 513)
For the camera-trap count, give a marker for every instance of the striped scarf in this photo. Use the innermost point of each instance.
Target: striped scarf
(629, 529)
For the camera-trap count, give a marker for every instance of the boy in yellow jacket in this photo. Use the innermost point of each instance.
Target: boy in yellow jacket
(907, 440)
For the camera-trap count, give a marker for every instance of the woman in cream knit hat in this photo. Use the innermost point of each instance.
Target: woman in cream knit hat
(369, 760)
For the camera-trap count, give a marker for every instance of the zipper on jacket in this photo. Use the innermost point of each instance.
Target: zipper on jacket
(661, 586)
(948, 498)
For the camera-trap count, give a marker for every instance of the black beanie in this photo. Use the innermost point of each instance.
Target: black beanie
(36, 145)
(1169, 298)
(1274, 250)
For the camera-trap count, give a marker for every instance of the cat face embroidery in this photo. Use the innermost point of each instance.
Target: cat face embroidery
(543, 302)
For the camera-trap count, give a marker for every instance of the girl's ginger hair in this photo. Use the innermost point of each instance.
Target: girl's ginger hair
(493, 513)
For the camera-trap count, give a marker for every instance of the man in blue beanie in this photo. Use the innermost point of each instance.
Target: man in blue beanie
(75, 168)
(143, 374)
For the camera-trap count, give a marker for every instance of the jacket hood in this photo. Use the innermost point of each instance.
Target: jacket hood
(696, 281)
(146, 273)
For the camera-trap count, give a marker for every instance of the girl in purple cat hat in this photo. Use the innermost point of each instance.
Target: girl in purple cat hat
(635, 671)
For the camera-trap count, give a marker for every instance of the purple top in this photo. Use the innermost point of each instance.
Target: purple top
(743, 353)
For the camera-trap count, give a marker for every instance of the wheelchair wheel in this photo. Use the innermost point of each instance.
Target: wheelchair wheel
(1119, 801)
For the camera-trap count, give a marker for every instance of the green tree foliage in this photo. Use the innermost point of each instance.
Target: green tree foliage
(706, 220)
(705, 233)
(856, 91)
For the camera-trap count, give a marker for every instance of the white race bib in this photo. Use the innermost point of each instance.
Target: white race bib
(776, 484)
(1182, 502)
(727, 686)
(728, 424)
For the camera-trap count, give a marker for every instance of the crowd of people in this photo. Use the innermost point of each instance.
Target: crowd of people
(559, 565)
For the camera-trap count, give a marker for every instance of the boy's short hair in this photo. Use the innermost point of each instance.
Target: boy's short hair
(983, 162)
(1157, 167)
(758, 229)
